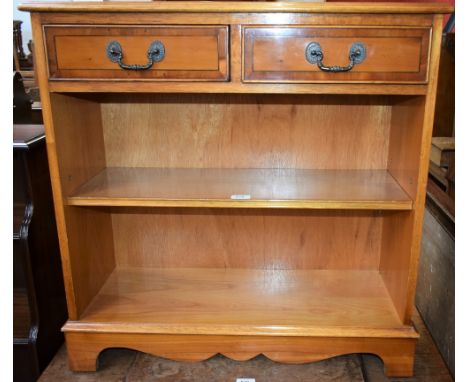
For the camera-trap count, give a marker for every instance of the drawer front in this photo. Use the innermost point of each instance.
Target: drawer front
(288, 54)
(180, 53)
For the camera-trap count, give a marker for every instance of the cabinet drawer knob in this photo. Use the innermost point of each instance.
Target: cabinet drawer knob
(314, 55)
(155, 53)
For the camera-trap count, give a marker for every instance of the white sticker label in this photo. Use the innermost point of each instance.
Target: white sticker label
(245, 380)
(241, 197)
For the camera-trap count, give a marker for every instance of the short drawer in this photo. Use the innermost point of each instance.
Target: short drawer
(169, 53)
(335, 54)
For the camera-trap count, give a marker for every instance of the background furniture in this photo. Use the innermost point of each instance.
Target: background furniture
(278, 210)
(26, 103)
(20, 59)
(435, 297)
(39, 308)
(23, 63)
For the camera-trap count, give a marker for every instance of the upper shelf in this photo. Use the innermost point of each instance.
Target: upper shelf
(243, 188)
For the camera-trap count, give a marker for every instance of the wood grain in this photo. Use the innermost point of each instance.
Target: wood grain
(91, 252)
(268, 188)
(397, 353)
(41, 72)
(246, 131)
(311, 283)
(79, 157)
(405, 141)
(239, 238)
(136, 366)
(21, 313)
(423, 170)
(238, 18)
(237, 6)
(273, 54)
(278, 302)
(191, 53)
(409, 163)
(394, 257)
(80, 152)
(403, 164)
(128, 86)
(233, 19)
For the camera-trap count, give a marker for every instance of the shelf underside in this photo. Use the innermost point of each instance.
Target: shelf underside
(243, 188)
(344, 303)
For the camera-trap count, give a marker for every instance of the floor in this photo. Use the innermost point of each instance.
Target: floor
(121, 365)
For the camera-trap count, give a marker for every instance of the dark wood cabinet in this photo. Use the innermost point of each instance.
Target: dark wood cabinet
(39, 307)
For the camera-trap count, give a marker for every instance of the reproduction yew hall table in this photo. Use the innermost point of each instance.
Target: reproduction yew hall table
(240, 178)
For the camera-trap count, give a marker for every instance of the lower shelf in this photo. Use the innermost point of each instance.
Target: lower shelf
(211, 301)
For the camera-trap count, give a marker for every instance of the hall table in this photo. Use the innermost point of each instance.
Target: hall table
(240, 178)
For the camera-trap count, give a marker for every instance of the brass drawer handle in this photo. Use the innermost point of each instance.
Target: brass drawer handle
(314, 55)
(156, 53)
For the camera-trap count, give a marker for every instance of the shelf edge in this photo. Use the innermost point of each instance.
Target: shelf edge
(292, 331)
(151, 86)
(221, 203)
